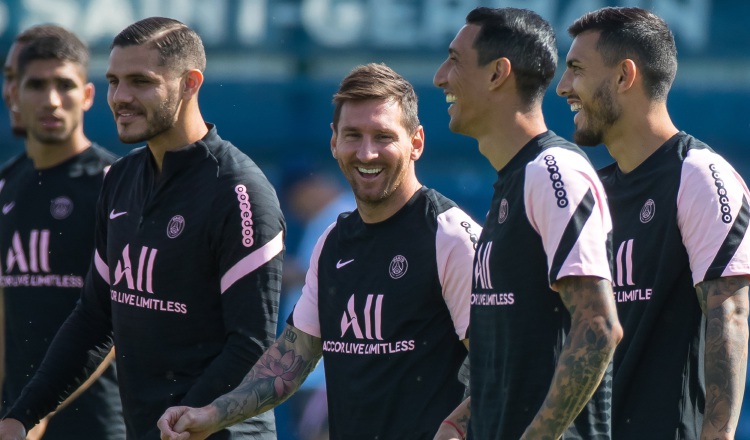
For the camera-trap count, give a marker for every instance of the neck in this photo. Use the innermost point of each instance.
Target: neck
(504, 139)
(48, 155)
(638, 135)
(186, 131)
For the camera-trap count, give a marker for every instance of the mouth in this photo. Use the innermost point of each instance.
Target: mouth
(450, 98)
(50, 122)
(126, 115)
(369, 172)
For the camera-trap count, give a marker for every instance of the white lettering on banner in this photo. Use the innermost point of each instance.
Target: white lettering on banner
(390, 24)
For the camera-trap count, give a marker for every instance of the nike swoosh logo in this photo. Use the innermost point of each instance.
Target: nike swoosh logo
(8, 206)
(340, 264)
(113, 215)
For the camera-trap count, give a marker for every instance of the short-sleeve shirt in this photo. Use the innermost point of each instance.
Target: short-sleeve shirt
(679, 218)
(390, 301)
(548, 220)
(46, 243)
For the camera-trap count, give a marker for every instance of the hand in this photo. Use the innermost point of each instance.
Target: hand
(12, 429)
(185, 423)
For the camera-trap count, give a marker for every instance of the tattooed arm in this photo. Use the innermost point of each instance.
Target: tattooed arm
(458, 423)
(594, 333)
(276, 376)
(725, 303)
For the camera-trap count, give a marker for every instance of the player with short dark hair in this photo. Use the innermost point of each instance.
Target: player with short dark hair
(188, 251)
(543, 321)
(48, 194)
(680, 216)
(386, 297)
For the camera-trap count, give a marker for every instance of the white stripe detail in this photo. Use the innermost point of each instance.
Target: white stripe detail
(101, 267)
(253, 261)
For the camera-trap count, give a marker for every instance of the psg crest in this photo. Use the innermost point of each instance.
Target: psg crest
(61, 207)
(398, 267)
(175, 226)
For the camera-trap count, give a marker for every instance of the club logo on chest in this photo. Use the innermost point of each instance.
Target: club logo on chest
(398, 267)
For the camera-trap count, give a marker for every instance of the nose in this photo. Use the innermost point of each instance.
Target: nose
(53, 97)
(439, 79)
(564, 86)
(367, 150)
(118, 93)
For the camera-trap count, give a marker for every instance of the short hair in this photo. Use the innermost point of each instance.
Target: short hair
(637, 34)
(180, 48)
(51, 42)
(378, 81)
(525, 39)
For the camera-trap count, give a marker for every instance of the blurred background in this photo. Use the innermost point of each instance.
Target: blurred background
(273, 66)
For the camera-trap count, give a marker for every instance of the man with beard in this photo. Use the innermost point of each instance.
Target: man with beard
(48, 194)
(188, 251)
(680, 216)
(543, 321)
(386, 298)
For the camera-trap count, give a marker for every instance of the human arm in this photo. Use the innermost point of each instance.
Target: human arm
(456, 425)
(585, 357)
(725, 304)
(276, 376)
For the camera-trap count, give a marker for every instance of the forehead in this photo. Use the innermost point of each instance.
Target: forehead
(52, 68)
(464, 40)
(371, 113)
(583, 49)
(134, 60)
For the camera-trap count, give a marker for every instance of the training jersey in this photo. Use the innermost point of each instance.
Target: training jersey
(185, 278)
(390, 301)
(46, 243)
(679, 218)
(548, 220)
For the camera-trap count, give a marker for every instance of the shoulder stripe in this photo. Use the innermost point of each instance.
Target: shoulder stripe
(253, 261)
(101, 267)
(570, 235)
(731, 243)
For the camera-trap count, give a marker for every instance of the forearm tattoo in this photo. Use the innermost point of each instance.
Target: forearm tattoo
(585, 356)
(724, 302)
(276, 376)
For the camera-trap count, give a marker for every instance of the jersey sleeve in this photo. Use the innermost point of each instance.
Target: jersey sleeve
(713, 214)
(247, 247)
(455, 240)
(566, 205)
(305, 314)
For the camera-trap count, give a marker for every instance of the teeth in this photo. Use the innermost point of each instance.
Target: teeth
(369, 170)
(576, 107)
(450, 98)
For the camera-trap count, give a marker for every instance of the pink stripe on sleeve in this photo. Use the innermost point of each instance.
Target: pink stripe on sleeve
(253, 261)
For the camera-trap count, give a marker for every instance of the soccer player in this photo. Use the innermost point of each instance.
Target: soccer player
(48, 194)
(386, 299)
(543, 320)
(188, 250)
(680, 217)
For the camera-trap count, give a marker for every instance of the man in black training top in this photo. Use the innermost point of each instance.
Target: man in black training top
(386, 298)
(188, 257)
(48, 195)
(682, 252)
(543, 320)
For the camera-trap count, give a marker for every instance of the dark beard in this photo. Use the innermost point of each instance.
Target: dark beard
(607, 112)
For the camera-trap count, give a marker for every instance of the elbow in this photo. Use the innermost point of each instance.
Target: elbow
(605, 333)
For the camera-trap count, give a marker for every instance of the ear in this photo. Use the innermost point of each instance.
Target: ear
(333, 141)
(193, 82)
(88, 96)
(500, 72)
(627, 72)
(417, 143)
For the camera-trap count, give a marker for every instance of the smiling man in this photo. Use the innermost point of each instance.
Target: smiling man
(386, 298)
(680, 226)
(188, 251)
(543, 321)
